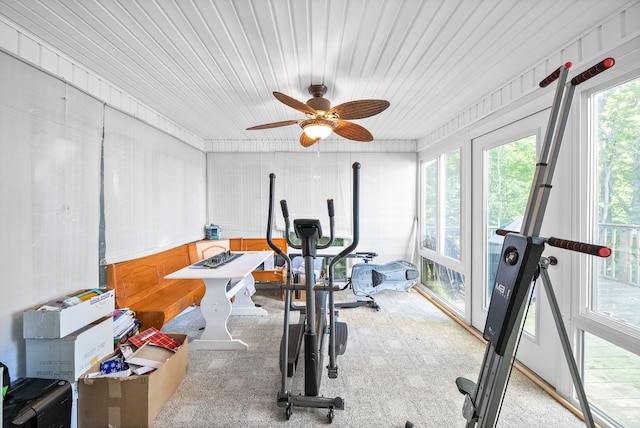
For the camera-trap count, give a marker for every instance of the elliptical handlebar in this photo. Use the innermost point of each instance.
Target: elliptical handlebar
(287, 224)
(331, 225)
(274, 247)
(356, 223)
(331, 211)
(285, 210)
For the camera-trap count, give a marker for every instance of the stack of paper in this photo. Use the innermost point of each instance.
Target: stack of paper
(124, 324)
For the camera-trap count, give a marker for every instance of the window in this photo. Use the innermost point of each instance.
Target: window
(611, 357)
(430, 209)
(451, 196)
(441, 209)
(616, 290)
(445, 282)
(612, 380)
(441, 231)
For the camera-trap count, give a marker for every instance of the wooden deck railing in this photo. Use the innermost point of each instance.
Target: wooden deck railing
(624, 240)
(624, 263)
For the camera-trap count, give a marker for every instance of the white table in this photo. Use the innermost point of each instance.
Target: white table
(216, 305)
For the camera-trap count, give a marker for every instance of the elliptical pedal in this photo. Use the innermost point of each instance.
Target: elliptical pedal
(293, 349)
(341, 335)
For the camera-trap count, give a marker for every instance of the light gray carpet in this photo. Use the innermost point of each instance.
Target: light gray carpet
(400, 364)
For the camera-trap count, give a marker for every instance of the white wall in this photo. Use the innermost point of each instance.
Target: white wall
(156, 184)
(238, 189)
(50, 193)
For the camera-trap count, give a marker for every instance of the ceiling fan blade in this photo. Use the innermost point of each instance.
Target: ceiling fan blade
(307, 141)
(274, 125)
(359, 109)
(352, 131)
(293, 103)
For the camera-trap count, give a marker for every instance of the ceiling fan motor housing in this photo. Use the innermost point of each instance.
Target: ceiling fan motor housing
(318, 102)
(321, 105)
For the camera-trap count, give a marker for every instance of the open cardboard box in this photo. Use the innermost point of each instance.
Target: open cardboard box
(150, 355)
(57, 322)
(132, 401)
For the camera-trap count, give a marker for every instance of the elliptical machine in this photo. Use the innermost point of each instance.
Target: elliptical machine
(319, 308)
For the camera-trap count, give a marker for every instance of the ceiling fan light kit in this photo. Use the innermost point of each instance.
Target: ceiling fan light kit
(317, 129)
(322, 119)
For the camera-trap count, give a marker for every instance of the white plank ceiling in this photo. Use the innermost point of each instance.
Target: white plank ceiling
(211, 65)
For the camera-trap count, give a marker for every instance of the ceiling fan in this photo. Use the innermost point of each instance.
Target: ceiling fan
(322, 119)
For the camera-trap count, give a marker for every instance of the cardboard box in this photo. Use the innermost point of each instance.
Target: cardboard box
(150, 355)
(40, 323)
(69, 357)
(132, 401)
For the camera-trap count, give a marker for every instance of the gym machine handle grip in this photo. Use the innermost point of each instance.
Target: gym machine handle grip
(285, 210)
(581, 247)
(553, 76)
(593, 71)
(594, 250)
(356, 221)
(274, 247)
(332, 225)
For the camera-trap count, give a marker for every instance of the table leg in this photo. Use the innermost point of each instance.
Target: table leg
(216, 308)
(242, 304)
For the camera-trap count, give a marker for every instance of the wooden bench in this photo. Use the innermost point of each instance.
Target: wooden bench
(200, 250)
(140, 285)
(270, 273)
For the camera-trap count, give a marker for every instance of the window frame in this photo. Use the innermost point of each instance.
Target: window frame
(584, 319)
(438, 153)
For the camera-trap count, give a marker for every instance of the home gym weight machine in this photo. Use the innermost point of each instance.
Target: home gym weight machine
(520, 264)
(310, 331)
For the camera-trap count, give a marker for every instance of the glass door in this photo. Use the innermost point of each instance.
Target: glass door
(504, 164)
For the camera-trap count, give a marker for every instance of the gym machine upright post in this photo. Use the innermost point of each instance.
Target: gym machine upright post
(520, 264)
(312, 327)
